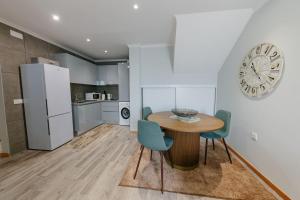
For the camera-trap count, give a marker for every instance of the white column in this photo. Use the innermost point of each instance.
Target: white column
(134, 84)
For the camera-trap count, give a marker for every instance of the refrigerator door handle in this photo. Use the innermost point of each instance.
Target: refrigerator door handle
(46, 107)
(48, 126)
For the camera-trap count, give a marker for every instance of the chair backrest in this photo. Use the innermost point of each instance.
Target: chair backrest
(146, 112)
(150, 135)
(226, 117)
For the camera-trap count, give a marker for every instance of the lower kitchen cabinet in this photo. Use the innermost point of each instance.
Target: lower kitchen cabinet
(110, 112)
(110, 117)
(86, 117)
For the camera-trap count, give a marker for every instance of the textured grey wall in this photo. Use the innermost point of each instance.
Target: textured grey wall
(14, 52)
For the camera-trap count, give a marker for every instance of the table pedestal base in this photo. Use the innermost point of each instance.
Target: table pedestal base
(185, 150)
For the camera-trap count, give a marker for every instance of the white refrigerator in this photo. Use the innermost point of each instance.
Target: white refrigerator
(47, 103)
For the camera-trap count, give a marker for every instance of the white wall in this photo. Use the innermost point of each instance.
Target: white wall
(275, 118)
(166, 98)
(204, 40)
(151, 65)
(156, 69)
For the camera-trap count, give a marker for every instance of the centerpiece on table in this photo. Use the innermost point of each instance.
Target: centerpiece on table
(186, 115)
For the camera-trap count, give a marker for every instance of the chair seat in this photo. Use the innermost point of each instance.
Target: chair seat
(213, 135)
(168, 141)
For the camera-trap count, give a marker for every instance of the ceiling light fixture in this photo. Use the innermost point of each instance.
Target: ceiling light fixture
(55, 17)
(135, 6)
(88, 39)
(105, 52)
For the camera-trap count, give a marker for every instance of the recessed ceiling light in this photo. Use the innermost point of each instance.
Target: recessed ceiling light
(105, 52)
(88, 39)
(55, 17)
(135, 6)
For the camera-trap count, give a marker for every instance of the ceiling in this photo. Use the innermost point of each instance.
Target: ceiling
(110, 24)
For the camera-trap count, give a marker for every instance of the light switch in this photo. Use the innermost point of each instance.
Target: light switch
(18, 101)
(16, 34)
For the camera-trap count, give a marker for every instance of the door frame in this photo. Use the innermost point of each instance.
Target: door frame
(3, 131)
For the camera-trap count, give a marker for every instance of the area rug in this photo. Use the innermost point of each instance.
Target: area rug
(218, 178)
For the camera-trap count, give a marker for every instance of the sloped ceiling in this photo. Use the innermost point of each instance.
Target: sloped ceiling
(204, 40)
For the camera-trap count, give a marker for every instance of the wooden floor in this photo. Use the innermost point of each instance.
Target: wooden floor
(89, 167)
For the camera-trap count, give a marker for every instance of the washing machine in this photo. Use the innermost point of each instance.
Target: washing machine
(124, 113)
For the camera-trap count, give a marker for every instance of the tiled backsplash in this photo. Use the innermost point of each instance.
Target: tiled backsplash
(111, 89)
(79, 90)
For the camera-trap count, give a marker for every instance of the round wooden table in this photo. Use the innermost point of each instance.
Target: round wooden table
(186, 147)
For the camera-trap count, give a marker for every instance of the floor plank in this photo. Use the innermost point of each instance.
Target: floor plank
(87, 168)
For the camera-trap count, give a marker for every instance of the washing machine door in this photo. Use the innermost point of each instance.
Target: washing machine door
(125, 113)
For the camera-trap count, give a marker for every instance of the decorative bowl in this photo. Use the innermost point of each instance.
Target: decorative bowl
(181, 112)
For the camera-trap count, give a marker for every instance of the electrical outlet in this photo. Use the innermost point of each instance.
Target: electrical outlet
(254, 136)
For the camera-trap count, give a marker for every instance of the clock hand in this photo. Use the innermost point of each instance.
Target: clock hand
(253, 68)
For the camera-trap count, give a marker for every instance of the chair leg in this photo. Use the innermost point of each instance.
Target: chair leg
(170, 158)
(151, 155)
(162, 171)
(213, 142)
(138, 164)
(206, 141)
(227, 150)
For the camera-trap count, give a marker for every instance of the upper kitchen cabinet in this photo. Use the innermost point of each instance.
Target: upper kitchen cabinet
(123, 72)
(81, 71)
(109, 74)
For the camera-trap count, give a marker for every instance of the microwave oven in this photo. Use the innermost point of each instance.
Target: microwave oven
(92, 96)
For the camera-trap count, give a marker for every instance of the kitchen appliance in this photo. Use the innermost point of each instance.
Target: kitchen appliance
(92, 96)
(103, 97)
(47, 102)
(109, 96)
(124, 113)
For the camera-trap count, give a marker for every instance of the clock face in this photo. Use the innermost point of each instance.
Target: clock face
(261, 70)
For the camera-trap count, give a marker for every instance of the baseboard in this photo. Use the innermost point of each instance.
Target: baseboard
(275, 188)
(4, 155)
(133, 132)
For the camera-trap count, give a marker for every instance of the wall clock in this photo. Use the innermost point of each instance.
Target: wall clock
(261, 70)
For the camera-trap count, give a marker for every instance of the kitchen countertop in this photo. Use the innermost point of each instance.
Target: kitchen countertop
(91, 102)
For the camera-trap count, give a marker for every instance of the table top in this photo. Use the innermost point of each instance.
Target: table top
(207, 123)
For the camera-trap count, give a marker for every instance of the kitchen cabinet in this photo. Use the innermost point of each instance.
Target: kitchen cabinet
(123, 75)
(110, 112)
(108, 74)
(86, 117)
(81, 71)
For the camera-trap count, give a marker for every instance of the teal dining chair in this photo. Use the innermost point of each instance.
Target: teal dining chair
(225, 116)
(146, 112)
(151, 137)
